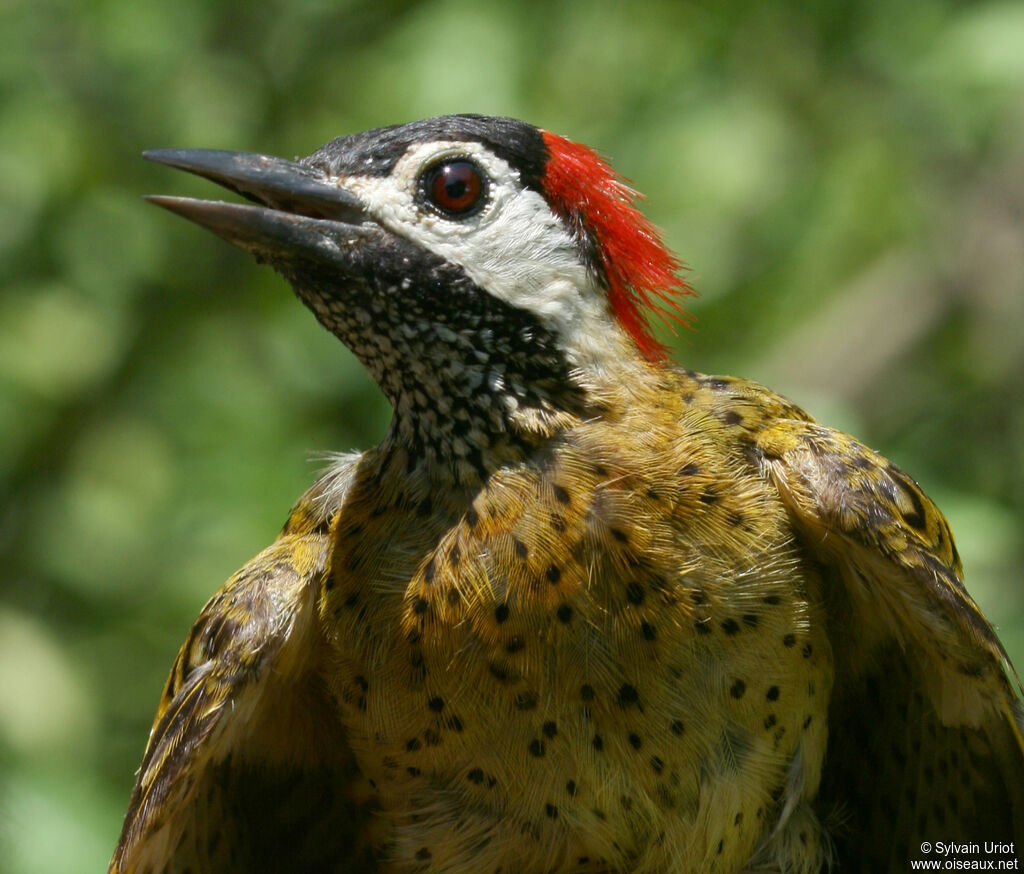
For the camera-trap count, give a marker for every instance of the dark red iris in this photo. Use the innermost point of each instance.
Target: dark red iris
(455, 187)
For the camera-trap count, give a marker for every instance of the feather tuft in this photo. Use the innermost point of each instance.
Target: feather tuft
(640, 271)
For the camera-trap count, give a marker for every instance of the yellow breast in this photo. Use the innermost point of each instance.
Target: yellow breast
(612, 652)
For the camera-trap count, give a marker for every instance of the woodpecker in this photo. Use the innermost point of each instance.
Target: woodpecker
(581, 610)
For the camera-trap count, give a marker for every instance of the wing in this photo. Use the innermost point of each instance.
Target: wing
(924, 727)
(247, 767)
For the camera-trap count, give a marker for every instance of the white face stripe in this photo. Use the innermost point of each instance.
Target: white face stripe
(514, 248)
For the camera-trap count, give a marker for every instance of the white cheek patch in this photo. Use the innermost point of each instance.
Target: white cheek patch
(514, 247)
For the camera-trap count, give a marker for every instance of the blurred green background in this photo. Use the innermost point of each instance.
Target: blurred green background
(847, 182)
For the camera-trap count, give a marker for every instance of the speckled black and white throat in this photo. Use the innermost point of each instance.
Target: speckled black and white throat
(469, 376)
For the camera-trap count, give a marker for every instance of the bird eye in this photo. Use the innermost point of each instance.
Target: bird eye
(455, 187)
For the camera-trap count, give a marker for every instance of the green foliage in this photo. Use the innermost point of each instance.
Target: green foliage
(845, 179)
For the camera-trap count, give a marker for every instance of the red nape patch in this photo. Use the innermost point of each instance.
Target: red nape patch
(640, 270)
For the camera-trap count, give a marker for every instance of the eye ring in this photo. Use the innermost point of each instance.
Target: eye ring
(455, 187)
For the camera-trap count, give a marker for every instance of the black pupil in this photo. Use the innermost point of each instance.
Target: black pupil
(455, 186)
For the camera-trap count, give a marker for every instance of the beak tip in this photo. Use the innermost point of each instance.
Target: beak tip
(210, 214)
(166, 201)
(169, 157)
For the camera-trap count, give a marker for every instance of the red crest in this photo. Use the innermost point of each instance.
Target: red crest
(642, 273)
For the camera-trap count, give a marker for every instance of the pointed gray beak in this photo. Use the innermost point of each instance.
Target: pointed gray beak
(300, 213)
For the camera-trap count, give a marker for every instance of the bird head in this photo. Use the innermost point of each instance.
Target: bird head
(495, 279)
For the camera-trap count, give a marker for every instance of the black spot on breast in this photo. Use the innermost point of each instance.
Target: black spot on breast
(499, 672)
(526, 701)
(619, 535)
(628, 695)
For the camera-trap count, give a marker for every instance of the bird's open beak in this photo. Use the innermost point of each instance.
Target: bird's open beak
(300, 213)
